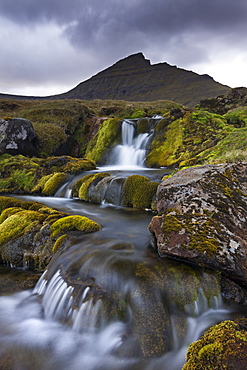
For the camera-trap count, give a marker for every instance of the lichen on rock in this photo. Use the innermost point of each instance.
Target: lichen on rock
(202, 213)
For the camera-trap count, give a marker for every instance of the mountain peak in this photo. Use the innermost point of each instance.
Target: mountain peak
(137, 60)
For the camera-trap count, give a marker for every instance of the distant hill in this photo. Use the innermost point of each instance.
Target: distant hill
(136, 79)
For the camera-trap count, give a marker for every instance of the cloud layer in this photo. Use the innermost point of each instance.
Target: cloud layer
(52, 45)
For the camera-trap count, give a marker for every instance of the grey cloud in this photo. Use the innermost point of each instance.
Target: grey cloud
(182, 32)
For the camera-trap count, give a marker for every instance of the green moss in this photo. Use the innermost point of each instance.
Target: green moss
(139, 192)
(50, 138)
(78, 165)
(8, 212)
(137, 114)
(165, 145)
(54, 183)
(84, 184)
(237, 117)
(171, 224)
(59, 243)
(108, 135)
(232, 148)
(74, 223)
(202, 232)
(142, 126)
(183, 141)
(223, 346)
(17, 224)
(38, 188)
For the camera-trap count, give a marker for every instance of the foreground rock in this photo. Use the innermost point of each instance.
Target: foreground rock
(203, 218)
(17, 136)
(223, 346)
(31, 233)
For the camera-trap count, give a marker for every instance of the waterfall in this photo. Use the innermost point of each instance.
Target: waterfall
(131, 152)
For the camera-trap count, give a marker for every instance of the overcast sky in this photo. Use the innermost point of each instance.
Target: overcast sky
(49, 46)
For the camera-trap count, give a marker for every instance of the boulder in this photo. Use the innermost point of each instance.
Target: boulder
(17, 136)
(223, 346)
(202, 218)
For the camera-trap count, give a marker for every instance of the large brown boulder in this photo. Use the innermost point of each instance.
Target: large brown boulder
(202, 218)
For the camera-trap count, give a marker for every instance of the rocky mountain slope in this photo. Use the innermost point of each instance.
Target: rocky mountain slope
(135, 79)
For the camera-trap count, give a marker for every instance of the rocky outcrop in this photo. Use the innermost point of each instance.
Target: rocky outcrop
(202, 218)
(221, 104)
(17, 136)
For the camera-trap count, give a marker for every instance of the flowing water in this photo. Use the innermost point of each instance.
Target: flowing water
(108, 302)
(131, 152)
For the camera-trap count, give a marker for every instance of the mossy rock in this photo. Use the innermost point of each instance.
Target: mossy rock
(139, 192)
(108, 135)
(29, 230)
(76, 222)
(20, 174)
(223, 346)
(17, 224)
(86, 182)
(54, 183)
(181, 139)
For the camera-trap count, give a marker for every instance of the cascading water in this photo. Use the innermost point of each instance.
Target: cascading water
(108, 302)
(132, 151)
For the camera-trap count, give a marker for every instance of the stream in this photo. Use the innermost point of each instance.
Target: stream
(108, 301)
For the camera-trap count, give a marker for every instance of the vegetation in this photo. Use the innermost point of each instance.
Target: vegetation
(68, 223)
(81, 187)
(223, 346)
(139, 192)
(108, 135)
(35, 175)
(30, 230)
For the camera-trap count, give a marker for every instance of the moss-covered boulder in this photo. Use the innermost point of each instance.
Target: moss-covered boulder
(29, 232)
(108, 135)
(139, 192)
(223, 346)
(83, 188)
(202, 218)
(21, 174)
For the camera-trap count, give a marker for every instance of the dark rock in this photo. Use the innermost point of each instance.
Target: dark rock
(203, 218)
(223, 103)
(17, 136)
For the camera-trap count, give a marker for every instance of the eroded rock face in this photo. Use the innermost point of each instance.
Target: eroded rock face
(202, 218)
(17, 136)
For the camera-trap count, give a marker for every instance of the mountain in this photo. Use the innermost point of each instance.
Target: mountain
(135, 79)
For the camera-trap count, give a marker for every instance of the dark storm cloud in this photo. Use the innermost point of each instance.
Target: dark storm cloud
(94, 34)
(97, 20)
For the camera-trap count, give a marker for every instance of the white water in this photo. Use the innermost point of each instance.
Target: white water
(131, 153)
(31, 334)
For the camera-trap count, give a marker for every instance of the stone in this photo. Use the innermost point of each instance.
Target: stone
(17, 136)
(202, 218)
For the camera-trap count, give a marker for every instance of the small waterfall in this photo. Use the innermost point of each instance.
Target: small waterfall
(131, 152)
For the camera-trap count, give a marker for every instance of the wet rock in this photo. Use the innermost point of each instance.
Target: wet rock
(223, 346)
(17, 136)
(203, 218)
